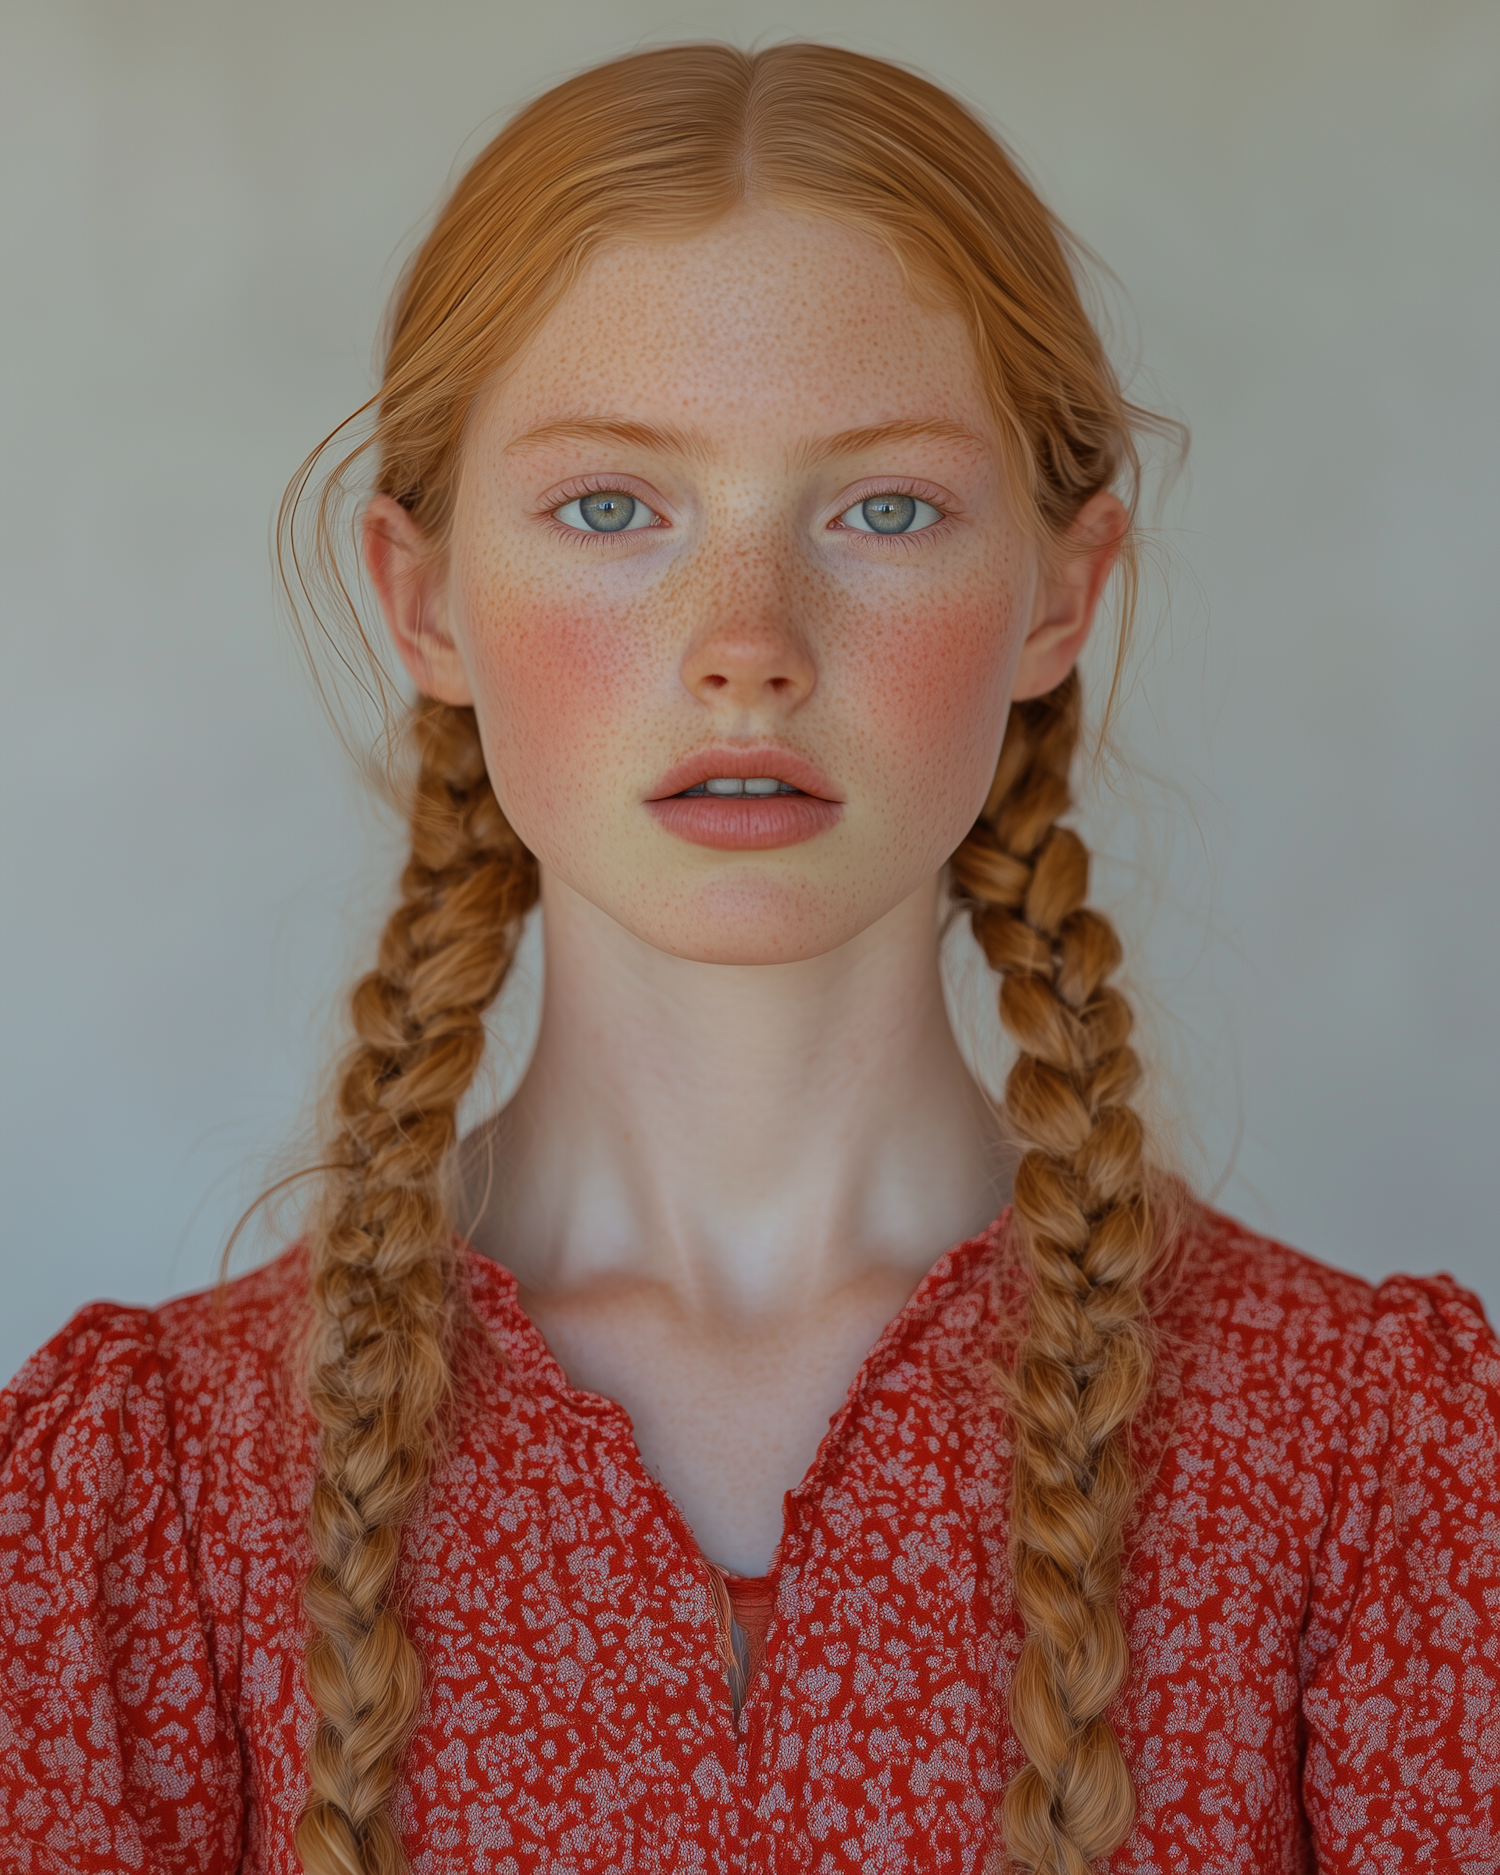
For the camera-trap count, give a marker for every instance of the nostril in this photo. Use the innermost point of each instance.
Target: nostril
(715, 681)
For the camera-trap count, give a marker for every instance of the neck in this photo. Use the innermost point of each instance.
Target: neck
(752, 1136)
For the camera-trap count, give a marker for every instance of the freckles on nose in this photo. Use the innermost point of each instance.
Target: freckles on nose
(749, 661)
(745, 606)
(747, 671)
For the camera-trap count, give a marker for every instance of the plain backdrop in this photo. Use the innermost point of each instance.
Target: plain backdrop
(204, 206)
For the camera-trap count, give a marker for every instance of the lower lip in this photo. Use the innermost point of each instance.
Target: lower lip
(741, 824)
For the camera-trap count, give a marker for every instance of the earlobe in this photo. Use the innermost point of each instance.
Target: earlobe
(1068, 596)
(408, 581)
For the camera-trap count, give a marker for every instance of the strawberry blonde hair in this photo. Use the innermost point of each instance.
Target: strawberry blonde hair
(659, 146)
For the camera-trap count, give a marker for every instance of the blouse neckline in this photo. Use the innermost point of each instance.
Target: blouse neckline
(495, 1293)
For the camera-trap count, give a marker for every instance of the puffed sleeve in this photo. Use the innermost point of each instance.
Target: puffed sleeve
(1401, 1668)
(115, 1752)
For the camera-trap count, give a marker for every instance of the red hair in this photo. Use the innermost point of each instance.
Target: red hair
(657, 146)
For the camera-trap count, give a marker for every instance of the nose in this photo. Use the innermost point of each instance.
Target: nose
(749, 655)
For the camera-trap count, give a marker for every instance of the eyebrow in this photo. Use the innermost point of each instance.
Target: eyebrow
(877, 435)
(668, 440)
(663, 440)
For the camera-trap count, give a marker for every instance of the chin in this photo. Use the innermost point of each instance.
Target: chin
(753, 924)
(735, 948)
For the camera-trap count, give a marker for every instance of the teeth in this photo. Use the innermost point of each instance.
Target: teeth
(731, 784)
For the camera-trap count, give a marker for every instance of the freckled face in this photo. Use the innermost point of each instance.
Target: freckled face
(672, 541)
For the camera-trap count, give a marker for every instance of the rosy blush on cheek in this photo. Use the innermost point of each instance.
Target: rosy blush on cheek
(557, 692)
(932, 698)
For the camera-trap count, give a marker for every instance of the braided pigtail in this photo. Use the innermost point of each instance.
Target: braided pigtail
(1083, 1368)
(379, 1372)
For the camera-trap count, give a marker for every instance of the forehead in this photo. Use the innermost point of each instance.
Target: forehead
(764, 322)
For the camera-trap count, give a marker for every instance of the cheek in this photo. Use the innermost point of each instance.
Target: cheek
(935, 694)
(552, 686)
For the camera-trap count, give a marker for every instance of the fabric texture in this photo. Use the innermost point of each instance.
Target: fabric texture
(1312, 1585)
(751, 1602)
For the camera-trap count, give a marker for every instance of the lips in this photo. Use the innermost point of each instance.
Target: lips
(745, 822)
(746, 765)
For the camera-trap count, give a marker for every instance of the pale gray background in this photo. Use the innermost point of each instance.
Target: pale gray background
(204, 204)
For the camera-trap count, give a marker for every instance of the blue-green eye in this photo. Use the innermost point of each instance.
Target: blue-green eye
(611, 511)
(890, 514)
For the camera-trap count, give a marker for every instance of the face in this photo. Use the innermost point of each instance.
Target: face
(734, 590)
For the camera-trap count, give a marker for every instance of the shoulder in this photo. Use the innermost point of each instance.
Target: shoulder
(124, 1377)
(1256, 1284)
(141, 1524)
(1234, 1284)
(1241, 1313)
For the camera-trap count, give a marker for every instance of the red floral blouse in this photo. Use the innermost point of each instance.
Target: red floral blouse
(1311, 1598)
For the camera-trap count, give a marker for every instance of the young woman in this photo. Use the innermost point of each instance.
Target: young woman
(696, 1473)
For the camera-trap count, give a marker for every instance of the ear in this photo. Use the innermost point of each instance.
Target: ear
(408, 578)
(1068, 595)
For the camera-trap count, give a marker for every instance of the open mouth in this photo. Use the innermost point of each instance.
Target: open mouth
(745, 800)
(731, 787)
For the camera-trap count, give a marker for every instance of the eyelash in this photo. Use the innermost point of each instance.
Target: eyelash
(594, 485)
(606, 484)
(921, 491)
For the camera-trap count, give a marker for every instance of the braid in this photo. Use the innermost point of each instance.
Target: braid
(1085, 1363)
(379, 1372)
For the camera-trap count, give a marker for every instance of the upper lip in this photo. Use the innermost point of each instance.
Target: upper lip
(744, 764)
